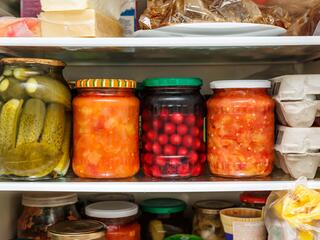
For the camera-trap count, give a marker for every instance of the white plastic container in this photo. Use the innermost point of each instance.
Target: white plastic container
(295, 87)
(299, 165)
(297, 140)
(301, 114)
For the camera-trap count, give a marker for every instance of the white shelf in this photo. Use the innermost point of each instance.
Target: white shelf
(278, 181)
(166, 50)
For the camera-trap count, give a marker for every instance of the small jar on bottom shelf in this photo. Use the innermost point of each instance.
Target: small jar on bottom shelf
(163, 217)
(106, 129)
(35, 119)
(240, 127)
(42, 210)
(120, 218)
(206, 220)
(77, 230)
(173, 112)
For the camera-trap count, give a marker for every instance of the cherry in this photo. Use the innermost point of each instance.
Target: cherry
(195, 131)
(160, 161)
(196, 170)
(171, 171)
(196, 144)
(169, 128)
(169, 150)
(144, 138)
(151, 135)
(147, 171)
(156, 172)
(203, 147)
(146, 114)
(174, 162)
(182, 129)
(200, 122)
(193, 157)
(176, 118)
(148, 146)
(175, 139)
(163, 139)
(156, 124)
(145, 127)
(147, 158)
(164, 114)
(203, 158)
(156, 148)
(182, 151)
(184, 170)
(191, 119)
(187, 140)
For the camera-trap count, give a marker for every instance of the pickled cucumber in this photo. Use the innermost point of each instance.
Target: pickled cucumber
(23, 74)
(63, 165)
(8, 71)
(31, 121)
(11, 88)
(156, 230)
(54, 126)
(31, 160)
(9, 120)
(49, 90)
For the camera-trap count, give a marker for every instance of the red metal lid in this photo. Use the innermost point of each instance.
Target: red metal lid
(254, 197)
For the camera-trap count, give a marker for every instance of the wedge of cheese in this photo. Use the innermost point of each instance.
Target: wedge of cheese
(84, 23)
(107, 7)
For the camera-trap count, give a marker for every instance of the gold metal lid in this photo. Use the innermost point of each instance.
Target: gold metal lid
(211, 206)
(50, 62)
(80, 229)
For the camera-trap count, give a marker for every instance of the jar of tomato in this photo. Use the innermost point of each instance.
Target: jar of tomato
(106, 129)
(172, 128)
(240, 128)
(120, 218)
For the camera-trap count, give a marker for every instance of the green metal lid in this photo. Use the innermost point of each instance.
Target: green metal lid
(172, 82)
(183, 237)
(163, 206)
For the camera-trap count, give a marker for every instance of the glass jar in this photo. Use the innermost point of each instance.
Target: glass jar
(255, 200)
(240, 128)
(172, 128)
(119, 217)
(106, 129)
(206, 220)
(36, 101)
(42, 210)
(162, 217)
(77, 230)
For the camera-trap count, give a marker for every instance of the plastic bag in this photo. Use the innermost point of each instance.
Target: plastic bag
(299, 17)
(293, 215)
(19, 27)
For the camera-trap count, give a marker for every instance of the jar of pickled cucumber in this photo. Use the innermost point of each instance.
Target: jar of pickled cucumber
(35, 119)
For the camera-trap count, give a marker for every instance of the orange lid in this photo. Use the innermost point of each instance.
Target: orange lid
(106, 83)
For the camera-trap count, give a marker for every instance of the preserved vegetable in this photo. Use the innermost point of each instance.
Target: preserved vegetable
(35, 110)
(106, 129)
(240, 129)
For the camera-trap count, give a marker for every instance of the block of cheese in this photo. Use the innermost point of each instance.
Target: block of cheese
(84, 23)
(107, 7)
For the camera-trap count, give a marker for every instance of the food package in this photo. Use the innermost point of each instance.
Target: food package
(19, 27)
(298, 113)
(295, 87)
(108, 7)
(297, 140)
(30, 8)
(82, 23)
(299, 165)
(128, 17)
(293, 214)
(298, 17)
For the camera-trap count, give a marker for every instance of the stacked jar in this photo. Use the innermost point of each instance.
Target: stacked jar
(172, 128)
(241, 128)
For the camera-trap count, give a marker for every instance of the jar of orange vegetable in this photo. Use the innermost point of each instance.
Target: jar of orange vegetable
(106, 124)
(120, 218)
(240, 128)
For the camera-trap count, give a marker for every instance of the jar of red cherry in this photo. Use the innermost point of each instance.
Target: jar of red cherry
(173, 113)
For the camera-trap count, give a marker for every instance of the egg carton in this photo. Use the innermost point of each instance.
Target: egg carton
(295, 87)
(299, 165)
(297, 140)
(298, 114)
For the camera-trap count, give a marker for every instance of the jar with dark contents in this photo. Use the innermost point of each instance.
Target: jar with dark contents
(172, 128)
(206, 220)
(120, 218)
(255, 200)
(42, 210)
(77, 230)
(163, 217)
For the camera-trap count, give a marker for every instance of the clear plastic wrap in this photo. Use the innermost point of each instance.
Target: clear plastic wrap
(299, 17)
(19, 27)
(293, 215)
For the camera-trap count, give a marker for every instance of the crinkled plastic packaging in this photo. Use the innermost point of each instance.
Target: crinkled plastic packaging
(293, 214)
(19, 27)
(298, 17)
